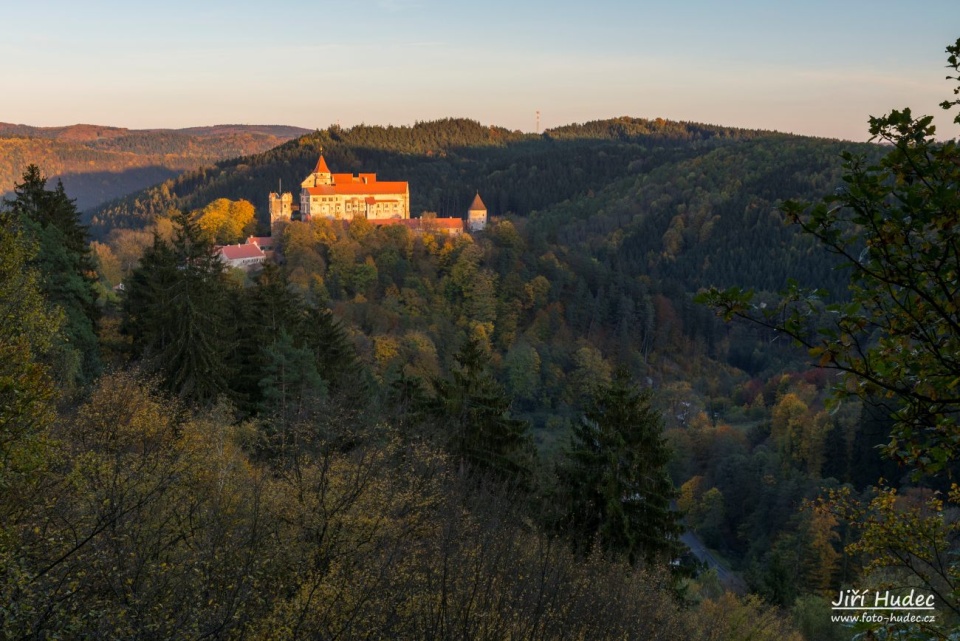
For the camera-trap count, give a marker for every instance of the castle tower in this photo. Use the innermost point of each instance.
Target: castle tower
(477, 214)
(280, 207)
(319, 176)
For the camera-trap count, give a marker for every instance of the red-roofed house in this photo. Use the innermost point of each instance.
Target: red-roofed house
(246, 256)
(450, 226)
(263, 242)
(346, 196)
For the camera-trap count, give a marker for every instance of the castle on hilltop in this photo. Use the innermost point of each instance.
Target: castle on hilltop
(324, 194)
(340, 196)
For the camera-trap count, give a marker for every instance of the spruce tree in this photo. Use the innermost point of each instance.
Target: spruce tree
(472, 410)
(614, 477)
(293, 399)
(50, 220)
(336, 357)
(261, 314)
(176, 310)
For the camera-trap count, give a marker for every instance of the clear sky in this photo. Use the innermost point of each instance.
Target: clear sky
(811, 67)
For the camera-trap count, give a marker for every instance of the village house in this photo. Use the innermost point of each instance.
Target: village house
(263, 242)
(247, 256)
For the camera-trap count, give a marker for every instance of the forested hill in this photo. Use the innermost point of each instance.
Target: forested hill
(684, 202)
(98, 164)
(513, 355)
(709, 216)
(445, 162)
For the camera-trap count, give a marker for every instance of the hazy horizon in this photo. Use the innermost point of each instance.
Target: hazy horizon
(811, 68)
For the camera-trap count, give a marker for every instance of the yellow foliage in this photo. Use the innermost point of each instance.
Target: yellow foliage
(108, 266)
(420, 356)
(385, 349)
(820, 530)
(789, 415)
(690, 494)
(226, 221)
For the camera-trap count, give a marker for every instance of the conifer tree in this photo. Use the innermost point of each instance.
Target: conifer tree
(29, 330)
(261, 314)
(335, 354)
(50, 219)
(473, 412)
(292, 394)
(614, 477)
(176, 308)
(407, 398)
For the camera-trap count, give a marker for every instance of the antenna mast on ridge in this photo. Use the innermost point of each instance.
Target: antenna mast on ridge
(538, 121)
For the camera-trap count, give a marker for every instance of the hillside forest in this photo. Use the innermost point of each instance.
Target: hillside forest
(98, 164)
(508, 434)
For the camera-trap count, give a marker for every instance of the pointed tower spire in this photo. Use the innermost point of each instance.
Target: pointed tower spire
(477, 203)
(321, 167)
(320, 175)
(477, 214)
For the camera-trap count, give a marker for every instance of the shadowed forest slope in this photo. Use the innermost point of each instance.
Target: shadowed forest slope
(97, 164)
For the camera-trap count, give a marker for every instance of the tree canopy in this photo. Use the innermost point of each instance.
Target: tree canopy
(614, 479)
(50, 220)
(896, 225)
(226, 221)
(177, 313)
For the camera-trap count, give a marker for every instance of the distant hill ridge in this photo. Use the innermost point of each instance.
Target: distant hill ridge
(100, 163)
(86, 133)
(445, 161)
(678, 201)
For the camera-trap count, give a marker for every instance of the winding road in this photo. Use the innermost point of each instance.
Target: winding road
(730, 580)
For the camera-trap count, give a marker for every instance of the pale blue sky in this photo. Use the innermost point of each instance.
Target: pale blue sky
(811, 67)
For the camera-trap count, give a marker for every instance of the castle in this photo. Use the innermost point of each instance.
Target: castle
(340, 196)
(324, 194)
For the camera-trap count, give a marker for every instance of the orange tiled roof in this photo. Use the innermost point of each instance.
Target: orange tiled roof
(477, 203)
(350, 185)
(445, 223)
(238, 252)
(321, 167)
(358, 189)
